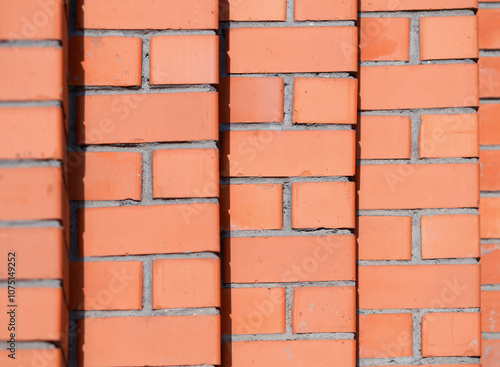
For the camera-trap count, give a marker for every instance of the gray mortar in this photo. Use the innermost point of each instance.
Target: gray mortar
(4, 104)
(30, 43)
(489, 5)
(34, 283)
(30, 224)
(29, 345)
(23, 163)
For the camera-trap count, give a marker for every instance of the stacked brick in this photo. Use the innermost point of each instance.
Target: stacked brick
(489, 160)
(288, 103)
(34, 207)
(418, 184)
(144, 184)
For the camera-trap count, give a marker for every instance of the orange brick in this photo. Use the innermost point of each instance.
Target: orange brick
(288, 259)
(151, 341)
(489, 161)
(324, 310)
(253, 310)
(52, 357)
(419, 186)
(155, 14)
(489, 77)
(448, 38)
(325, 100)
(451, 334)
(489, 124)
(490, 258)
(247, 207)
(385, 335)
(384, 238)
(114, 61)
(323, 205)
(184, 59)
(32, 133)
(489, 212)
(490, 311)
(185, 173)
(443, 136)
(31, 193)
(31, 73)
(252, 10)
(325, 10)
(141, 118)
(409, 86)
(450, 236)
(290, 353)
(390, 5)
(384, 39)
(489, 31)
(418, 286)
(384, 137)
(41, 250)
(179, 283)
(104, 175)
(33, 19)
(251, 100)
(287, 153)
(139, 230)
(289, 50)
(106, 285)
(490, 353)
(40, 321)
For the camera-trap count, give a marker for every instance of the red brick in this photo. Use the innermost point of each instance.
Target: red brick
(251, 100)
(139, 230)
(287, 153)
(252, 10)
(448, 38)
(251, 207)
(290, 353)
(490, 311)
(490, 353)
(391, 5)
(52, 357)
(289, 50)
(489, 161)
(288, 259)
(31, 73)
(443, 136)
(106, 285)
(155, 14)
(323, 205)
(150, 341)
(451, 334)
(384, 39)
(31, 193)
(489, 124)
(419, 186)
(418, 286)
(489, 31)
(104, 175)
(489, 212)
(33, 20)
(32, 133)
(384, 238)
(114, 61)
(324, 310)
(418, 86)
(325, 10)
(185, 173)
(183, 283)
(253, 311)
(489, 77)
(450, 236)
(325, 101)
(140, 118)
(384, 137)
(490, 258)
(385, 335)
(184, 59)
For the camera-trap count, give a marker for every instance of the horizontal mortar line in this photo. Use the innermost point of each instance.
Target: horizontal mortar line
(490, 194)
(163, 89)
(34, 283)
(30, 223)
(489, 5)
(21, 345)
(283, 24)
(131, 203)
(30, 43)
(285, 233)
(419, 311)
(280, 180)
(29, 163)
(415, 13)
(46, 103)
(486, 241)
(488, 335)
(489, 147)
(483, 101)
(421, 62)
(279, 126)
(144, 313)
(304, 284)
(437, 262)
(287, 337)
(145, 257)
(416, 360)
(141, 33)
(422, 111)
(487, 53)
(142, 147)
(490, 287)
(409, 212)
(326, 75)
(421, 161)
